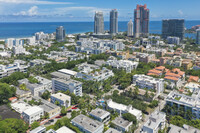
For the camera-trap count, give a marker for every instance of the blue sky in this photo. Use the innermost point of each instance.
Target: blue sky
(83, 10)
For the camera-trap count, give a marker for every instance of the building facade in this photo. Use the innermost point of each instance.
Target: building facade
(141, 21)
(60, 34)
(130, 28)
(99, 23)
(113, 21)
(173, 27)
(64, 100)
(198, 36)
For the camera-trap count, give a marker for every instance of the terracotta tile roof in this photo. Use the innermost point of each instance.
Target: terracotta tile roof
(193, 78)
(169, 74)
(152, 74)
(12, 98)
(160, 68)
(171, 78)
(155, 71)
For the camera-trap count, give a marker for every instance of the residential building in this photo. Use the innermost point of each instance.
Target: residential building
(43, 84)
(193, 79)
(37, 62)
(32, 114)
(40, 129)
(93, 72)
(185, 102)
(112, 130)
(64, 100)
(130, 28)
(198, 36)
(20, 106)
(87, 125)
(184, 129)
(60, 34)
(48, 107)
(98, 22)
(11, 68)
(100, 115)
(121, 109)
(143, 81)
(187, 64)
(19, 50)
(67, 84)
(155, 123)
(64, 129)
(122, 125)
(126, 65)
(173, 40)
(22, 94)
(141, 21)
(173, 27)
(145, 57)
(113, 21)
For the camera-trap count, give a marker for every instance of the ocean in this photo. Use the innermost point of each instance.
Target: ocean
(27, 29)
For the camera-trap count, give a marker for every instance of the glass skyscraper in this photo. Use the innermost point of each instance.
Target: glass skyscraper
(60, 34)
(113, 21)
(98, 23)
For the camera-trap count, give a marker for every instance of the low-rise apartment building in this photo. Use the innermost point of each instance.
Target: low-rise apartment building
(121, 109)
(155, 123)
(11, 68)
(32, 114)
(67, 84)
(126, 65)
(64, 100)
(87, 125)
(122, 125)
(100, 115)
(148, 82)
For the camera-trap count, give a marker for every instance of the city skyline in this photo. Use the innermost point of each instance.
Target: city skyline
(70, 11)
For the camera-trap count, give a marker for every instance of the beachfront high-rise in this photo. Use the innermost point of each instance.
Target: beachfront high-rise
(130, 28)
(98, 23)
(198, 36)
(141, 21)
(113, 21)
(173, 27)
(60, 34)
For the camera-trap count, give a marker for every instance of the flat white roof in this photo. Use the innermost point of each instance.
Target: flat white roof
(33, 110)
(64, 129)
(67, 71)
(61, 96)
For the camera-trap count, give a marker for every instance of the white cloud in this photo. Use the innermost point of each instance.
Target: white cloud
(31, 12)
(180, 12)
(32, 2)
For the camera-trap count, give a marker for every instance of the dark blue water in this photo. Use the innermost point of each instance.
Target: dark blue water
(17, 30)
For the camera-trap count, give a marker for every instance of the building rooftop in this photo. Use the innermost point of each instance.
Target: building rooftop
(20, 106)
(33, 110)
(155, 119)
(68, 81)
(99, 113)
(184, 129)
(64, 129)
(61, 96)
(38, 129)
(112, 130)
(68, 72)
(119, 121)
(87, 123)
(60, 75)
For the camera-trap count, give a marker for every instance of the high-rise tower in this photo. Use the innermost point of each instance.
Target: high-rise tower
(113, 21)
(130, 28)
(141, 21)
(60, 34)
(98, 23)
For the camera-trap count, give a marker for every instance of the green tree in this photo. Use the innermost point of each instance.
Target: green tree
(63, 111)
(57, 103)
(6, 91)
(34, 125)
(12, 125)
(130, 117)
(46, 95)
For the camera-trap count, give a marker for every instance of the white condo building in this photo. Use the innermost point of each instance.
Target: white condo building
(121, 108)
(64, 100)
(67, 84)
(148, 82)
(130, 28)
(156, 122)
(32, 114)
(185, 102)
(11, 68)
(127, 65)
